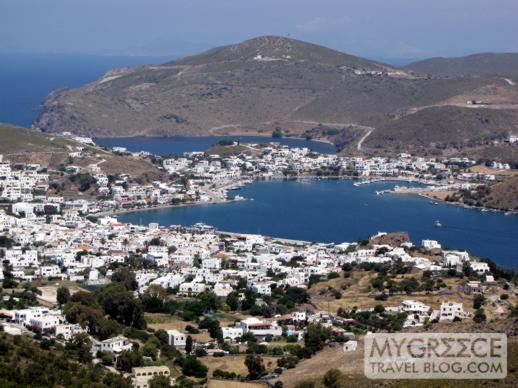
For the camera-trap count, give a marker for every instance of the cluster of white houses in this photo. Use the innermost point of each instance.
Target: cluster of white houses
(50, 238)
(194, 260)
(199, 177)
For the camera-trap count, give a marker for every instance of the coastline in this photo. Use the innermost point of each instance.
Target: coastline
(237, 134)
(246, 182)
(458, 204)
(166, 206)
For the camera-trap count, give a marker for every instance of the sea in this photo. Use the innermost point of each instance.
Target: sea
(26, 79)
(180, 145)
(313, 210)
(337, 211)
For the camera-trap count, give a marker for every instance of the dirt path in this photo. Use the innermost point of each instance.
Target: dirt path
(359, 145)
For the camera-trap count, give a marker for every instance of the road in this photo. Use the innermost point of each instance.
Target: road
(359, 145)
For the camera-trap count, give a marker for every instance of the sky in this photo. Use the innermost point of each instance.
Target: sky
(369, 28)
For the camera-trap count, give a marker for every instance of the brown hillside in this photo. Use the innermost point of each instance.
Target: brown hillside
(268, 82)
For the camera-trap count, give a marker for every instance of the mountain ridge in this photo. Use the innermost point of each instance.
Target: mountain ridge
(272, 82)
(469, 65)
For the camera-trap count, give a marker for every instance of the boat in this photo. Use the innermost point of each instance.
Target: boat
(438, 224)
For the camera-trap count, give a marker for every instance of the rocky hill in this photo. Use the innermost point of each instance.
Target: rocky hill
(272, 82)
(477, 64)
(23, 145)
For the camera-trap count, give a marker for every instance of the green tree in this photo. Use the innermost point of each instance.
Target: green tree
(255, 366)
(278, 132)
(162, 336)
(106, 358)
(478, 301)
(213, 327)
(63, 295)
(209, 301)
(249, 300)
(188, 344)
(316, 337)
(8, 281)
(127, 360)
(121, 305)
(480, 316)
(333, 379)
(410, 285)
(153, 298)
(160, 382)
(379, 308)
(86, 316)
(191, 366)
(126, 277)
(233, 300)
(82, 345)
(151, 347)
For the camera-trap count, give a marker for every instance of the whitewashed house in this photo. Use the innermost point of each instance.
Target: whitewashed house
(176, 338)
(232, 332)
(451, 310)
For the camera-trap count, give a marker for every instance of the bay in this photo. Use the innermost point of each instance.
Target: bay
(337, 211)
(178, 145)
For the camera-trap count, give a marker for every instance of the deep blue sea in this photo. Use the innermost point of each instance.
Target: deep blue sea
(336, 211)
(179, 145)
(26, 79)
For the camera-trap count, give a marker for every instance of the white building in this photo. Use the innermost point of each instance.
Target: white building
(113, 345)
(140, 376)
(232, 332)
(260, 328)
(44, 324)
(298, 316)
(211, 264)
(222, 289)
(451, 310)
(176, 338)
(46, 271)
(430, 244)
(158, 254)
(23, 317)
(191, 288)
(479, 267)
(68, 330)
(262, 288)
(455, 258)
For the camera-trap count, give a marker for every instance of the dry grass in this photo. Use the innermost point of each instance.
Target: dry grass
(329, 358)
(49, 291)
(482, 169)
(439, 194)
(235, 363)
(169, 322)
(233, 384)
(356, 294)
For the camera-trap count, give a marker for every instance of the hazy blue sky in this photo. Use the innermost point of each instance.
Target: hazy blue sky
(372, 28)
